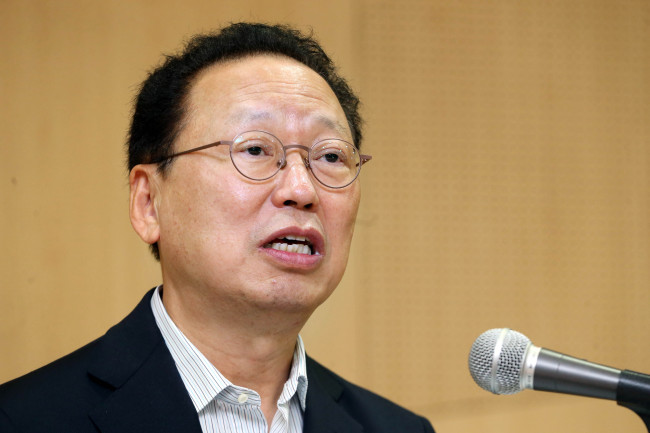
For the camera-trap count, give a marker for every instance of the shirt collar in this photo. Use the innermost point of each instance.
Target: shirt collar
(202, 379)
(297, 382)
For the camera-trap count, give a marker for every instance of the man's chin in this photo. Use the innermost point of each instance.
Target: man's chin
(292, 298)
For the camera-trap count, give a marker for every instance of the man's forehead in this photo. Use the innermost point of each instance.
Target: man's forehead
(254, 69)
(266, 90)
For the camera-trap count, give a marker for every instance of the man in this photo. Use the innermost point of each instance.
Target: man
(243, 159)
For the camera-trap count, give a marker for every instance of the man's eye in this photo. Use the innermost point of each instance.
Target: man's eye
(331, 157)
(254, 150)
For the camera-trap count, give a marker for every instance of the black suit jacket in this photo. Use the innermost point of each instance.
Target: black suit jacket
(126, 381)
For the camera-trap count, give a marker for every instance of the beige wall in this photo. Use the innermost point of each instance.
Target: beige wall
(510, 186)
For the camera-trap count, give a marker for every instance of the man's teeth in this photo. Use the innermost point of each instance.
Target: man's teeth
(291, 248)
(300, 248)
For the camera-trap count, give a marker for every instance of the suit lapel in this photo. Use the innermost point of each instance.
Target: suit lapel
(149, 394)
(323, 414)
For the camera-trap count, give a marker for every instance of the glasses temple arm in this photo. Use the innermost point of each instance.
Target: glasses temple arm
(364, 158)
(196, 149)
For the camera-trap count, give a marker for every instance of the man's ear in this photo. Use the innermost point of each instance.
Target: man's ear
(143, 181)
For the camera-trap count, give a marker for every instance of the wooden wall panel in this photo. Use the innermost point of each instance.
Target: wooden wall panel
(510, 186)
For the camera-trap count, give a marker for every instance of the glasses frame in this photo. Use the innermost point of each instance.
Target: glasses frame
(282, 163)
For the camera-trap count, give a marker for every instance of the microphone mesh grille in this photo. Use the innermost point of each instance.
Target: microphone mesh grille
(509, 361)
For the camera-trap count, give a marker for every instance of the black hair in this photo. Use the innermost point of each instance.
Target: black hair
(160, 104)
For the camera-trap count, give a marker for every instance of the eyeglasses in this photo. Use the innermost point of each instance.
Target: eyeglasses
(259, 155)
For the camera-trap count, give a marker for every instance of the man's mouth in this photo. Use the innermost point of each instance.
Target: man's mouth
(293, 244)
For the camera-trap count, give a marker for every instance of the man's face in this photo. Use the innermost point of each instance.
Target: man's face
(217, 228)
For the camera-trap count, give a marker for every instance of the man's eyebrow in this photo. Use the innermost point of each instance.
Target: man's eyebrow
(252, 116)
(332, 124)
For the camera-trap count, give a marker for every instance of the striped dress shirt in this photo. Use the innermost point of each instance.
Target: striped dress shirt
(222, 406)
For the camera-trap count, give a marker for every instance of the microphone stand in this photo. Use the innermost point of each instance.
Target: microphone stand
(633, 392)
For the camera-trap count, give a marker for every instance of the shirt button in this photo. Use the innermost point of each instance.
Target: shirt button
(243, 398)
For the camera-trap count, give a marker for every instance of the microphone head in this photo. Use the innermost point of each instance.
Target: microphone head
(496, 360)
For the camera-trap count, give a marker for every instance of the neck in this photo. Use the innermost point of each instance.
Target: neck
(252, 348)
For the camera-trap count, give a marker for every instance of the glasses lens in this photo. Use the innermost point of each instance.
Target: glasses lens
(256, 154)
(334, 162)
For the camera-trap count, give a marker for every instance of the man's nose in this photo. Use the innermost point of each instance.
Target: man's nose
(296, 186)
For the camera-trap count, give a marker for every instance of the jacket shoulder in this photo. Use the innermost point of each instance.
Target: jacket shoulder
(59, 374)
(64, 391)
(52, 392)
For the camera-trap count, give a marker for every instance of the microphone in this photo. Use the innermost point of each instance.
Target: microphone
(504, 361)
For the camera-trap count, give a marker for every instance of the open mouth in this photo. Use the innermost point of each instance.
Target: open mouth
(293, 244)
